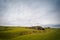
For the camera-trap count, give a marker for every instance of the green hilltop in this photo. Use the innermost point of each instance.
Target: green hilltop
(24, 33)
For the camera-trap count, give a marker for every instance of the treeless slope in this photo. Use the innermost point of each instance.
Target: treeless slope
(53, 34)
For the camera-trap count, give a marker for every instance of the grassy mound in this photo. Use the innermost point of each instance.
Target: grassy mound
(52, 35)
(20, 33)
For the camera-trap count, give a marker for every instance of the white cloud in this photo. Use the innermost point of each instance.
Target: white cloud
(36, 13)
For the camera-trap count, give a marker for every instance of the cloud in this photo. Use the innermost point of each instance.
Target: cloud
(29, 12)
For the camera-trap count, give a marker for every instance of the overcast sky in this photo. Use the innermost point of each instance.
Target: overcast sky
(29, 12)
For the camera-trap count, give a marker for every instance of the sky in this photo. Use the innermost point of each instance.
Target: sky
(29, 12)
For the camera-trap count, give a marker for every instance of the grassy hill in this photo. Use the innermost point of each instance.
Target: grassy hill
(21, 33)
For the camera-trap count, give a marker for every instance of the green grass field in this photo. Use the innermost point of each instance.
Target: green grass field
(21, 33)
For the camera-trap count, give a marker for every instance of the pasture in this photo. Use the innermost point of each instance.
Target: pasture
(22, 33)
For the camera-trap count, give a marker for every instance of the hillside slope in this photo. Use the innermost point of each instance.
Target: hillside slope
(29, 34)
(52, 35)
